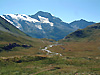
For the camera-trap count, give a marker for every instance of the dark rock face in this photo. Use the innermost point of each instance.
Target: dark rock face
(43, 14)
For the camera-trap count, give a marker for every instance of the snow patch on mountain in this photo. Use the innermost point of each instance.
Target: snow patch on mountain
(18, 24)
(7, 19)
(38, 26)
(45, 20)
(23, 17)
(17, 17)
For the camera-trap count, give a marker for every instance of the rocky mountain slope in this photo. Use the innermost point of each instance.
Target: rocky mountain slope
(44, 25)
(80, 24)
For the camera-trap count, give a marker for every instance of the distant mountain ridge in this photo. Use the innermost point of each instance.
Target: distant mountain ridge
(44, 25)
(80, 24)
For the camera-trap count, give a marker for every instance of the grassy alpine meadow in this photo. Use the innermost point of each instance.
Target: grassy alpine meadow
(78, 58)
(84, 57)
(51, 65)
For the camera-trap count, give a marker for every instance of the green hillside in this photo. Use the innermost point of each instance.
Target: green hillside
(9, 33)
(90, 33)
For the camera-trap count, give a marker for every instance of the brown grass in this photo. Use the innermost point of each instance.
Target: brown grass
(78, 49)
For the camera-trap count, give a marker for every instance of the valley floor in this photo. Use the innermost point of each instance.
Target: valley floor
(77, 59)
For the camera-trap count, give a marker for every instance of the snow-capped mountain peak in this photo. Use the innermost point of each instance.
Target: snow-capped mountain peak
(15, 18)
(23, 17)
(43, 25)
(7, 19)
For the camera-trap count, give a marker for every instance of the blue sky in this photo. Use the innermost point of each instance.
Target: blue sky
(67, 10)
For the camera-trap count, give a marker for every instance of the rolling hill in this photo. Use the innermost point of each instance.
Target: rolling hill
(90, 33)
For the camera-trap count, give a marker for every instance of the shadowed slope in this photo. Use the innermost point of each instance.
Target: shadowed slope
(90, 33)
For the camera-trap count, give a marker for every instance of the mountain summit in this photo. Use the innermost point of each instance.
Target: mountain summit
(41, 13)
(43, 25)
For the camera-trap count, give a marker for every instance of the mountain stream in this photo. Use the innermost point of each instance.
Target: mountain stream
(49, 52)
